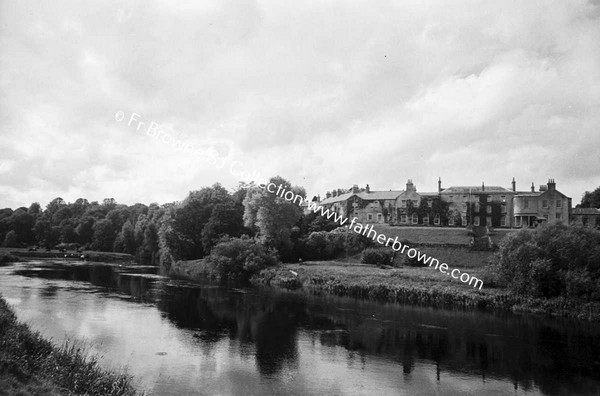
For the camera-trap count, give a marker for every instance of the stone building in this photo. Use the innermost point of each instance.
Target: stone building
(586, 217)
(542, 206)
(366, 205)
(454, 206)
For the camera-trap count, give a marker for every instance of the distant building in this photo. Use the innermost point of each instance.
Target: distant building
(366, 205)
(542, 206)
(455, 206)
(587, 217)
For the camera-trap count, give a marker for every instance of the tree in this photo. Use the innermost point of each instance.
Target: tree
(188, 221)
(272, 216)
(41, 230)
(225, 219)
(554, 260)
(85, 230)
(125, 241)
(590, 199)
(11, 240)
(150, 246)
(104, 236)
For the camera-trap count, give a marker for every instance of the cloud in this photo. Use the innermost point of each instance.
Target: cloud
(326, 94)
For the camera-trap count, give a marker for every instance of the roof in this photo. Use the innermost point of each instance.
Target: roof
(529, 193)
(476, 189)
(373, 195)
(586, 211)
(367, 196)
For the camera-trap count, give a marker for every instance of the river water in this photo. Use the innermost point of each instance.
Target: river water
(179, 338)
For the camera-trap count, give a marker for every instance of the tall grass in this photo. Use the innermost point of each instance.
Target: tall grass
(31, 365)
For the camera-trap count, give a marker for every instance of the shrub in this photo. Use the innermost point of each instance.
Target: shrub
(240, 258)
(377, 256)
(323, 245)
(554, 260)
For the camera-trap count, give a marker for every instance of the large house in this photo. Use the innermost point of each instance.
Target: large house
(492, 206)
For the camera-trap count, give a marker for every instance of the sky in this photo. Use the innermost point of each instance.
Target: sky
(128, 99)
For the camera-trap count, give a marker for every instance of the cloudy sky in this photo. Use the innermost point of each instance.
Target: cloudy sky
(326, 94)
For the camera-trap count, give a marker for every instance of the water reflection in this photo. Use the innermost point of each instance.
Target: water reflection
(194, 339)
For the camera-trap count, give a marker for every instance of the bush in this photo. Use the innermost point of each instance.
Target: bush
(323, 245)
(377, 256)
(554, 260)
(240, 258)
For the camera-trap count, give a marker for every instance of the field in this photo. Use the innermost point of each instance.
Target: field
(435, 235)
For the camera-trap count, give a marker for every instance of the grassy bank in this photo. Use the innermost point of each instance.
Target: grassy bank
(31, 365)
(413, 285)
(107, 257)
(7, 257)
(192, 270)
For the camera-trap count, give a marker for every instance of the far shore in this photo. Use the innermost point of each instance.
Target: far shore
(407, 285)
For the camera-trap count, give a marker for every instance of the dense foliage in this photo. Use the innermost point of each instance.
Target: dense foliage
(553, 260)
(590, 199)
(377, 256)
(324, 245)
(240, 258)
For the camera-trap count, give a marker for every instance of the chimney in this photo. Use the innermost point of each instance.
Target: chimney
(328, 195)
(355, 188)
(334, 193)
(482, 187)
(367, 189)
(514, 185)
(409, 185)
(439, 185)
(551, 184)
(532, 187)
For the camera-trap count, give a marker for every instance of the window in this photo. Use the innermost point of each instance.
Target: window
(436, 219)
(403, 219)
(426, 220)
(451, 220)
(476, 222)
(503, 209)
(558, 203)
(476, 206)
(429, 203)
(488, 198)
(369, 217)
(404, 203)
(488, 209)
(503, 221)
(545, 204)
(465, 198)
(518, 222)
(450, 196)
(503, 197)
(558, 216)
(379, 217)
(463, 221)
(415, 218)
(526, 204)
(488, 221)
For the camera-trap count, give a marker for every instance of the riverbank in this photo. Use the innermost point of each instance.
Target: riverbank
(90, 255)
(413, 285)
(31, 365)
(7, 257)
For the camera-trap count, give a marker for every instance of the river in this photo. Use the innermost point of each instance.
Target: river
(180, 338)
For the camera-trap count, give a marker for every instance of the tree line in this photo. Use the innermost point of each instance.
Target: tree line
(186, 230)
